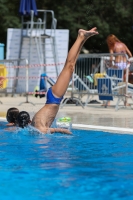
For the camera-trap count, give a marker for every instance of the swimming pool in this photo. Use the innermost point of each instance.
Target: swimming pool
(86, 165)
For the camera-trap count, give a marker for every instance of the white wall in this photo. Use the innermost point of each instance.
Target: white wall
(13, 46)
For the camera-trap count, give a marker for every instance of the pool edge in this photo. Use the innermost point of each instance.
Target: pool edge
(3, 118)
(103, 128)
(94, 127)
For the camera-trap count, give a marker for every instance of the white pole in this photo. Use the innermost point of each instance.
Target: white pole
(27, 80)
(127, 72)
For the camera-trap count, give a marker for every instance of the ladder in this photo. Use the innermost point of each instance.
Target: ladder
(35, 29)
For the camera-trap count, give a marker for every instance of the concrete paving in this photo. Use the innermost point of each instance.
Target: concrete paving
(93, 114)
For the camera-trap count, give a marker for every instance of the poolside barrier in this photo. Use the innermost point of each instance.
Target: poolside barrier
(97, 74)
(94, 75)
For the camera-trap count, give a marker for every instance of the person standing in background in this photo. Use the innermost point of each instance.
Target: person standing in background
(118, 47)
(120, 60)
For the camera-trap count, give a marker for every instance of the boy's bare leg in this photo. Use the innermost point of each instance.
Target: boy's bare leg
(63, 80)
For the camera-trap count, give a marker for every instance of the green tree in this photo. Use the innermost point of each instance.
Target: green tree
(112, 16)
(9, 18)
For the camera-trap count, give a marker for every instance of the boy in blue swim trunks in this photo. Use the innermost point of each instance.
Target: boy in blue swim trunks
(43, 119)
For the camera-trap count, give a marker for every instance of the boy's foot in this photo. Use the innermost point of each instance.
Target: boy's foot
(87, 34)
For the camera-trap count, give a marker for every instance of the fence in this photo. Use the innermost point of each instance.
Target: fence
(18, 77)
(9, 70)
(93, 75)
(98, 75)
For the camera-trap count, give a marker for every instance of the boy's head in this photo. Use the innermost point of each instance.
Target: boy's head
(12, 114)
(23, 119)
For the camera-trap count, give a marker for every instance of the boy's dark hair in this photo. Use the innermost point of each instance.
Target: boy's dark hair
(23, 119)
(12, 114)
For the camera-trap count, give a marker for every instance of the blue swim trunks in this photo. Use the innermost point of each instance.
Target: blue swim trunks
(51, 99)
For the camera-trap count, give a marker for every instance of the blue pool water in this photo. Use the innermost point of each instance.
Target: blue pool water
(86, 165)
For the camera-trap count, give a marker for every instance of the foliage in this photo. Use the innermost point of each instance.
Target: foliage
(112, 16)
(9, 18)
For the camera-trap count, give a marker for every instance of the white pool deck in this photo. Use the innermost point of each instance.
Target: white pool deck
(94, 116)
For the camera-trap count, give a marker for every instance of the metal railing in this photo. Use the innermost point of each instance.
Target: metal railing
(98, 74)
(94, 75)
(11, 77)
